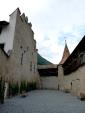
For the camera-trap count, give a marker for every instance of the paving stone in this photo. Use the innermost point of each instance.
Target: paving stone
(44, 101)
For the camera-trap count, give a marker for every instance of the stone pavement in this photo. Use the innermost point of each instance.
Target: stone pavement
(44, 101)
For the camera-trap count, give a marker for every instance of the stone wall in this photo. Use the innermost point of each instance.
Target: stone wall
(49, 82)
(3, 65)
(20, 46)
(24, 54)
(82, 79)
(72, 83)
(75, 82)
(60, 77)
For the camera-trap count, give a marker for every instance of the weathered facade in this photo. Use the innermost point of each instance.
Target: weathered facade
(48, 76)
(51, 75)
(70, 72)
(18, 51)
(74, 70)
(19, 60)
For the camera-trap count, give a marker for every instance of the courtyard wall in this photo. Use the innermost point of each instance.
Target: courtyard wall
(49, 82)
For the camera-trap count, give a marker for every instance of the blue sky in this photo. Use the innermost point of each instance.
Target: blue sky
(53, 21)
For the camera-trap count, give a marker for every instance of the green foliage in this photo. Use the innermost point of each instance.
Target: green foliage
(13, 89)
(2, 88)
(27, 86)
(23, 86)
(32, 86)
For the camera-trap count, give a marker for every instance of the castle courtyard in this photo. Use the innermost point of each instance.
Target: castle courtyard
(44, 101)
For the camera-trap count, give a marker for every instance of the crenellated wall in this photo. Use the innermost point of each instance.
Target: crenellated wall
(20, 47)
(24, 56)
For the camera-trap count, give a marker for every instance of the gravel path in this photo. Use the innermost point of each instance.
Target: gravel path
(44, 101)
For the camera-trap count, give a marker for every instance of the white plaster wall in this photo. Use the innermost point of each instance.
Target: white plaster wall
(77, 78)
(7, 34)
(82, 78)
(49, 82)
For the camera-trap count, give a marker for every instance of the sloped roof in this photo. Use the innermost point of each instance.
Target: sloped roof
(2, 48)
(66, 54)
(3, 24)
(2, 45)
(41, 60)
(75, 60)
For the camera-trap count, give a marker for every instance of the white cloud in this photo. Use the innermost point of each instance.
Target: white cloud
(52, 20)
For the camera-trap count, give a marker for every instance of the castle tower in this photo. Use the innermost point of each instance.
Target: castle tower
(66, 54)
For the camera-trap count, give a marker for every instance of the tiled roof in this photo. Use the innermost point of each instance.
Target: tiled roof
(66, 54)
(41, 60)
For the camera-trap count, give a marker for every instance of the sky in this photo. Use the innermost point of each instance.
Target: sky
(53, 22)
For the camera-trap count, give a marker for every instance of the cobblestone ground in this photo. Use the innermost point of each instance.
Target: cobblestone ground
(44, 101)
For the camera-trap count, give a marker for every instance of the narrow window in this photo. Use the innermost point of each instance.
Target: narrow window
(34, 69)
(22, 59)
(30, 66)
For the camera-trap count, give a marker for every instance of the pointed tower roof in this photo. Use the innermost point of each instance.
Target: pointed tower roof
(66, 54)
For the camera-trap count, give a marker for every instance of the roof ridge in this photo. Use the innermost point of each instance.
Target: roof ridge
(66, 54)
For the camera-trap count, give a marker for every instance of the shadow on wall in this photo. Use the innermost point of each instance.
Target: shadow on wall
(2, 89)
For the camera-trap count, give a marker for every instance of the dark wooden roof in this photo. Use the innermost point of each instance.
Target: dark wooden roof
(2, 48)
(48, 72)
(3, 24)
(73, 61)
